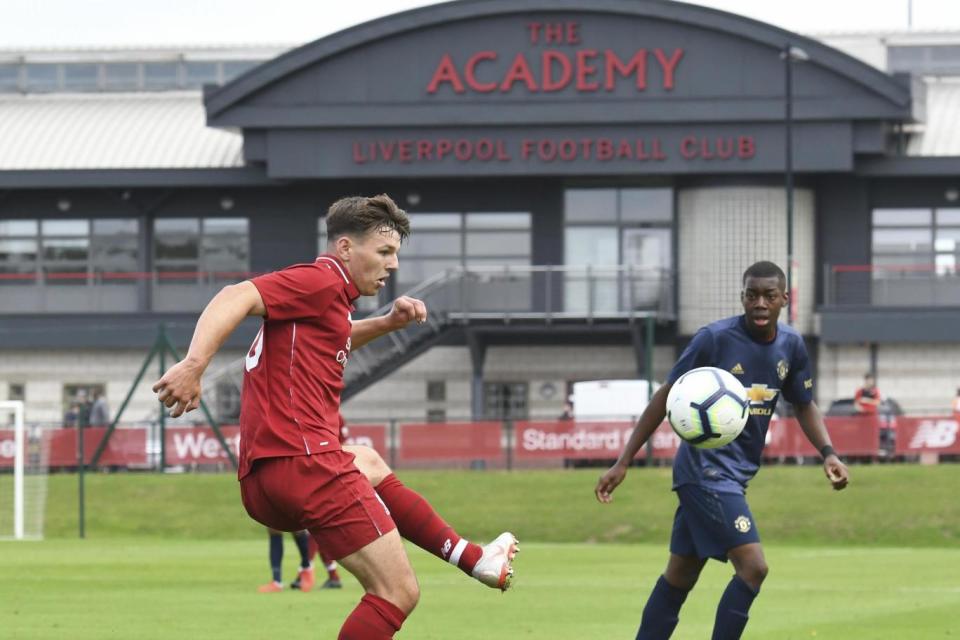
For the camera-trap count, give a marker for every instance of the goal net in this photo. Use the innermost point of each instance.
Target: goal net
(23, 475)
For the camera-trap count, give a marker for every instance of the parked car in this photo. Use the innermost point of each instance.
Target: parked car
(846, 407)
(888, 411)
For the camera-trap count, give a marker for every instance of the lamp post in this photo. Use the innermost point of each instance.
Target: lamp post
(790, 54)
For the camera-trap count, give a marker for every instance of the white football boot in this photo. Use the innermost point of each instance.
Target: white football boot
(494, 569)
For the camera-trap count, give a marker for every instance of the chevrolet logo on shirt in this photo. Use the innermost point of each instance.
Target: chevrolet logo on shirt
(760, 394)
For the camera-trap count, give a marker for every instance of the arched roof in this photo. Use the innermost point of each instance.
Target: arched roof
(852, 70)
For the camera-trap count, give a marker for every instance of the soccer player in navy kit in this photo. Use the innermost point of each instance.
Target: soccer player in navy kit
(713, 519)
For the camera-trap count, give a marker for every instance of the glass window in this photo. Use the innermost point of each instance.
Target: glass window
(590, 205)
(217, 226)
(43, 77)
(18, 256)
(161, 75)
(901, 217)
(433, 243)
(223, 253)
(421, 221)
(413, 271)
(948, 216)
(116, 226)
(505, 400)
(646, 205)
(591, 245)
(81, 76)
(9, 77)
(902, 240)
(65, 227)
(177, 225)
(436, 390)
(201, 73)
(18, 227)
(498, 243)
(498, 221)
(65, 249)
(176, 247)
(121, 76)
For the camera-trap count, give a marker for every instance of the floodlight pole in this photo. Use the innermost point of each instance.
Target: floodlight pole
(789, 54)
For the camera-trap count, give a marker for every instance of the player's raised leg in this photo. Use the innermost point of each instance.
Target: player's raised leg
(419, 523)
(734, 607)
(392, 592)
(662, 611)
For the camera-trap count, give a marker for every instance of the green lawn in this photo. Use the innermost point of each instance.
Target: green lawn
(174, 556)
(167, 588)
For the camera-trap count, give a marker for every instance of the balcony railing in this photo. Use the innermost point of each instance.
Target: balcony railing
(512, 292)
(116, 292)
(908, 285)
(542, 294)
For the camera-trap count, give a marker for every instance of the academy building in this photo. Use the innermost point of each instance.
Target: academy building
(586, 180)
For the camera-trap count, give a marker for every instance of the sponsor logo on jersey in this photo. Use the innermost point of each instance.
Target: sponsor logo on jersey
(742, 524)
(759, 395)
(737, 369)
(783, 369)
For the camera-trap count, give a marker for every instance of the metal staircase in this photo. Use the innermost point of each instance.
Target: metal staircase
(508, 295)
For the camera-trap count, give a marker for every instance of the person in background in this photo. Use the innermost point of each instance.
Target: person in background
(867, 398)
(99, 411)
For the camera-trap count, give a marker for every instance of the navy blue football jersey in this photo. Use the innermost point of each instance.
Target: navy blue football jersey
(767, 370)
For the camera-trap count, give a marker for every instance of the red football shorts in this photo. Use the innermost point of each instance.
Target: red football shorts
(324, 493)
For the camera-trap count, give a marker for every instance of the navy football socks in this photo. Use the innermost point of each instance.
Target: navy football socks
(733, 610)
(662, 612)
(302, 539)
(276, 555)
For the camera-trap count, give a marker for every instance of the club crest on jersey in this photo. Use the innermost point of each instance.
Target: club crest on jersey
(742, 524)
(783, 369)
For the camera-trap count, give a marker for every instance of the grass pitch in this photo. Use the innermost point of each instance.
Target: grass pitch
(161, 589)
(174, 556)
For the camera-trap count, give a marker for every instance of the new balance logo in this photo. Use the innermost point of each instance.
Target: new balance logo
(935, 434)
(447, 546)
(737, 369)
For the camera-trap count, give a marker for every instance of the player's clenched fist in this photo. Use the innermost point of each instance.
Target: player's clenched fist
(179, 387)
(406, 310)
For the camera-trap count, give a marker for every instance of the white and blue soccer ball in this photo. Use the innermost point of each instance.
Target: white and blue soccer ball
(707, 407)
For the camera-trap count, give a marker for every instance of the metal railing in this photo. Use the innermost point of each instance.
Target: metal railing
(907, 285)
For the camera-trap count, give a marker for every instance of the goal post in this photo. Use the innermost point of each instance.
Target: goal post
(26, 482)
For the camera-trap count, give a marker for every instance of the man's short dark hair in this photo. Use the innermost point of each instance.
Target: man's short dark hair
(359, 215)
(765, 269)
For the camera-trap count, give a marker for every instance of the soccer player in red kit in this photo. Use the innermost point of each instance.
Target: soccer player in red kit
(293, 472)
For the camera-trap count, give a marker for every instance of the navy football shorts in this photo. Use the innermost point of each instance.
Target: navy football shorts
(709, 523)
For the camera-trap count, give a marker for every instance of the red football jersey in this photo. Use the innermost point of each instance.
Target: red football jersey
(290, 405)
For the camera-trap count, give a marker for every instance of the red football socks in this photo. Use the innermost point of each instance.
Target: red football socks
(373, 619)
(420, 524)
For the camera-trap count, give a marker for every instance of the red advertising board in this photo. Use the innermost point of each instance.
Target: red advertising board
(199, 445)
(450, 441)
(568, 439)
(928, 435)
(369, 435)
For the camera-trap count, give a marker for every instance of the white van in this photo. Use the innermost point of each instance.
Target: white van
(610, 399)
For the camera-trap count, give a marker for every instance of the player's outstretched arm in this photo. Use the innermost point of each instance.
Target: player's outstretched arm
(811, 421)
(404, 311)
(652, 417)
(179, 387)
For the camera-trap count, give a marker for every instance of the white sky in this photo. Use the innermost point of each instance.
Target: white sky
(68, 23)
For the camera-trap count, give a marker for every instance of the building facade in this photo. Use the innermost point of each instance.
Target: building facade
(586, 182)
